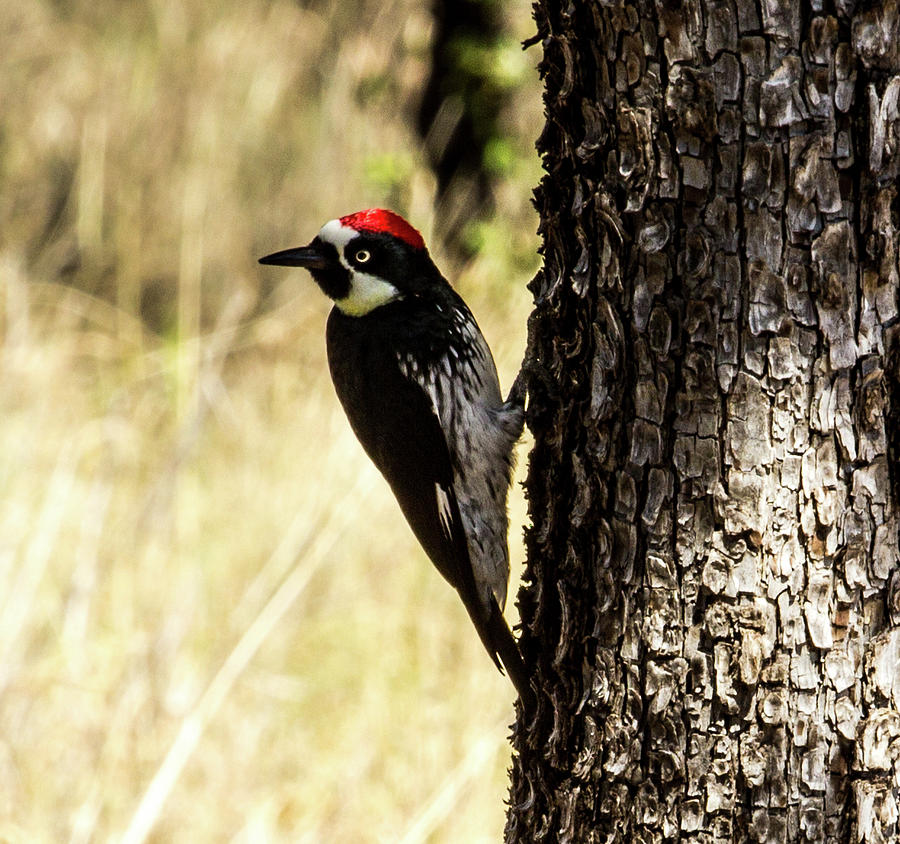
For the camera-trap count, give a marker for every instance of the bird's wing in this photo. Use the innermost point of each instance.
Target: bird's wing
(397, 424)
(463, 389)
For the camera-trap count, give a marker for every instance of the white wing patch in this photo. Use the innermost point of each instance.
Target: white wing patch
(445, 513)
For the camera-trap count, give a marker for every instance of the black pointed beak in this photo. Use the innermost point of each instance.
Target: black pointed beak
(312, 257)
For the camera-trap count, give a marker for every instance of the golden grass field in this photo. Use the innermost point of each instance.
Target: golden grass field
(215, 624)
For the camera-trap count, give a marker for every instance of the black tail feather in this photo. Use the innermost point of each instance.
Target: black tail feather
(500, 642)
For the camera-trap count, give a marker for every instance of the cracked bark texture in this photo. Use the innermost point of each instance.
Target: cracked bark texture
(714, 609)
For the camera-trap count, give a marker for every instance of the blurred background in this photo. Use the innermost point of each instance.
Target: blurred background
(214, 623)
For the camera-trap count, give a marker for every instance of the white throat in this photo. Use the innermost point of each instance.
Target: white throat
(367, 292)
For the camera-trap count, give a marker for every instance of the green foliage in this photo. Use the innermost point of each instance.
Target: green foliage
(388, 174)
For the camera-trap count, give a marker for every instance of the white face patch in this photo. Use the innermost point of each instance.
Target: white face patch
(367, 291)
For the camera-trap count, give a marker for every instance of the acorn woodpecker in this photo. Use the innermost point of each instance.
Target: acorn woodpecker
(419, 387)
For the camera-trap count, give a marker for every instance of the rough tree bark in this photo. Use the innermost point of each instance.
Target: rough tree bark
(714, 607)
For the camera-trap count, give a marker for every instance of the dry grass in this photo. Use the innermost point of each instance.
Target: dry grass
(214, 625)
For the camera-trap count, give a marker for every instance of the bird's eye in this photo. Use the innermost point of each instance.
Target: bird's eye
(363, 256)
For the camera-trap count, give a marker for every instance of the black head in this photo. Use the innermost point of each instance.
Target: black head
(364, 260)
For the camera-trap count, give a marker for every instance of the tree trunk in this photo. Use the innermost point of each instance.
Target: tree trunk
(714, 609)
(458, 114)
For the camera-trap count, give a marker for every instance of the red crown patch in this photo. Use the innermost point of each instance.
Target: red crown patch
(381, 220)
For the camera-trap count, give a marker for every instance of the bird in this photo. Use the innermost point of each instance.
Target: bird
(420, 389)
